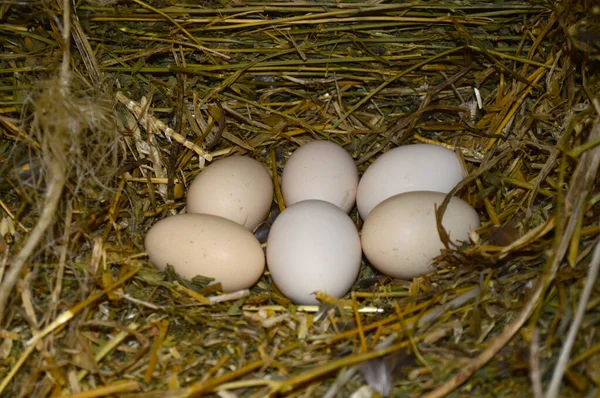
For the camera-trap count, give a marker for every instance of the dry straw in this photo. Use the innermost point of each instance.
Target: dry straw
(108, 110)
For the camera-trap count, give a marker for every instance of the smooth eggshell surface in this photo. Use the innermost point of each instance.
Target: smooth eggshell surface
(400, 236)
(238, 188)
(420, 167)
(207, 245)
(313, 246)
(320, 170)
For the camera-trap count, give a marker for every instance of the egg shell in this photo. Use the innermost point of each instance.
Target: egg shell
(313, 246)
(207, 245)
(320, 170)
(400, 236)
(420, 167)
(237, 187)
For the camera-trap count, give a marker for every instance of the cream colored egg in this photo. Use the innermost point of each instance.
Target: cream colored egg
(313, 246)
(207, 245)
(320, 170)
(400, 236)
(420, 167)
(238, 188)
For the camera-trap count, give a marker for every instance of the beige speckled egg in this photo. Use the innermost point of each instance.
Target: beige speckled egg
(313, 246)
(400, 236)
(238, 188)
(207, 245)
(420, 167)
(320, 170)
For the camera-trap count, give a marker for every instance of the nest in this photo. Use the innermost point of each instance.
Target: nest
(110, 109)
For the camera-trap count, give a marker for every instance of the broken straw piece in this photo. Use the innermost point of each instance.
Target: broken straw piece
(159, 125)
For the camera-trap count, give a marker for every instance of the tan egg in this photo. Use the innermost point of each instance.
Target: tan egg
(400, 236)
(207, 245)
(320, 170)
(238, 188)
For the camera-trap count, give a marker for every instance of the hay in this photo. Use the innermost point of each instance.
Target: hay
(108, 110)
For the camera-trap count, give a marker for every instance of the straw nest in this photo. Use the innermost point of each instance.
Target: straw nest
(108, 110)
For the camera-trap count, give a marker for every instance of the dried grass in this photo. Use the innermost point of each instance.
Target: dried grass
(108, 115)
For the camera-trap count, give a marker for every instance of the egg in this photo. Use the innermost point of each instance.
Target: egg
(207, 245)
(313, 246)
(420, 167)
(320, 170)
(237, 187)
(400, 236)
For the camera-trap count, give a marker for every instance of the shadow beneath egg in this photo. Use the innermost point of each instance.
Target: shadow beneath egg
(262, 231)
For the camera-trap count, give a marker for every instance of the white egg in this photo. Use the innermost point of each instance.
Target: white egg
(400, 236)
(238, 188)
(420, 167)
(313, 246)
(207, 245)
(320, 170)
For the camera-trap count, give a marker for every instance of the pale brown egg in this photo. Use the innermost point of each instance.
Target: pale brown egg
(400, 236)
(207, 245)
(238, 188)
